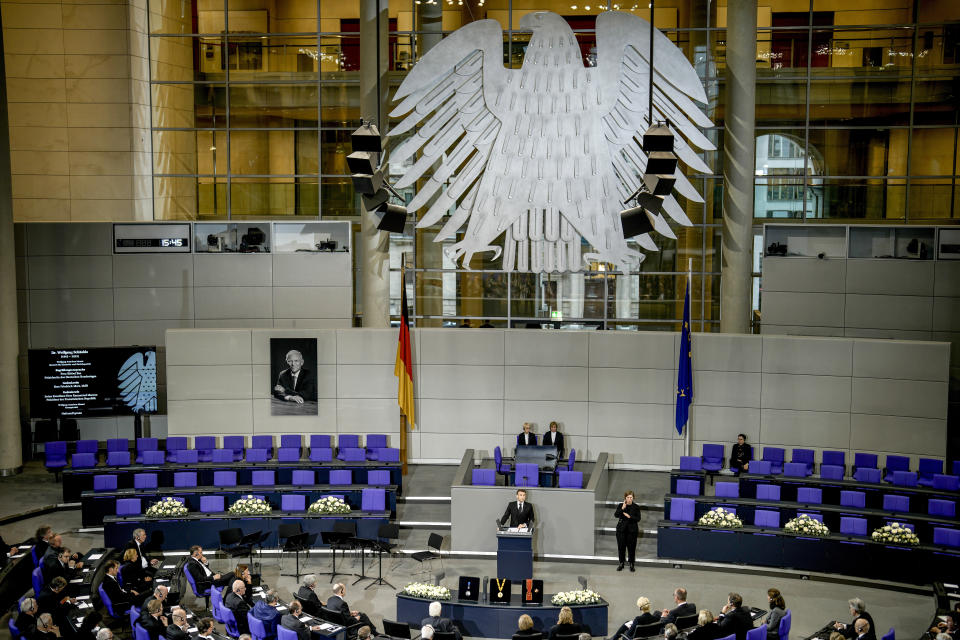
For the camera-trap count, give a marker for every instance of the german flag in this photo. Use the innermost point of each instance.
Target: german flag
(403, 369)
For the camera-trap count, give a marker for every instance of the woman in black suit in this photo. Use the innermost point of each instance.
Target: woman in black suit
(628, 522)
(525, 628)
(565, 625)
(132, 573)
(646, 617)
(706, 629)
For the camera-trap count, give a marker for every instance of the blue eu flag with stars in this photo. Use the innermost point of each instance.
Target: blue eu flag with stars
(685, 368)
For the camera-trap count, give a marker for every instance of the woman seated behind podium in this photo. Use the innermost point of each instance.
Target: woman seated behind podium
(133, 574)
(707, 628)
(525, 627)
(565, 625)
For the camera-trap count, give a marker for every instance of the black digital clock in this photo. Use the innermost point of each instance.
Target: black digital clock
(145, 243)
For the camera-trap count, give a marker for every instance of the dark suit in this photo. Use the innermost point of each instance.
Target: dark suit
(308, 598)
(518, 517)
(305, 386)
(292, 622)
(628, 629)
(851, 632)
(176, 633)
(142, 556)
(27, 624)
(685, 609)
(740, 454)
(526, 438)
(52, 603)
(709, 631)
(565, 630)
(627, 531)
(52, 567)
(120, 598)
(153, 626)
(336, 603)
(200, 577)
(441, 624)
(737, 621)
(554, 439)
(239, 607)
(134, 577)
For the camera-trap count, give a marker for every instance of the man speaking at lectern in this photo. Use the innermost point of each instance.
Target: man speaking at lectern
(519, 512)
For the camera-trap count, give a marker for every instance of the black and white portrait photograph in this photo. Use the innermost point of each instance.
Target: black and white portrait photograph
(293, 374)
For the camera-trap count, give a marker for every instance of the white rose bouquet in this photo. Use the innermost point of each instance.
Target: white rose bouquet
(250, 506)
(167, 508)
(895, 533)
(327, 505)
(720, 518)
(424, 590)
(577, 596)
(804, 525)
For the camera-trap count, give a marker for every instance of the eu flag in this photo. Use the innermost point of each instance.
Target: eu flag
(685, 368)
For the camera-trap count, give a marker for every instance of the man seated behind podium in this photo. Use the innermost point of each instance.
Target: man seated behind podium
(295, 384)
(519, 512)
(526, 437)
(438, 623)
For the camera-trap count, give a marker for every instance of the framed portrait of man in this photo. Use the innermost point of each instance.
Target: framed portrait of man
(293, 376)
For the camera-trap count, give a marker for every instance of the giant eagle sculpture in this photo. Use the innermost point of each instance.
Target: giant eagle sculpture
(544, 155)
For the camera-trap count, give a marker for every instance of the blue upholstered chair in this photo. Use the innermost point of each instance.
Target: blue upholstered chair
(381, 477)
(185, 479)
(766, 518)
(796, 470)
(690, 463)
(896, 503)
(87, 446)
(527, 475)
(835, 458)
(263, 478)
(128, 507)
(864, 461)
(205, 446)
(478, 477)
(727, 490)
(144, 481)
(946, 537)
(341, 476)
(768, 492)
(118, 444)
(570, 479)
(321, 454)
(831, 472)
(211, 504)
(175, 444)
(224, 478)
(775, 456)
(853, 526)
(258, 454)
(236, 444)
(942, 508)
(373, 500)
(222, 456)
(388, 454)
(263, 442)
(943, 482)
(712, 457)
(186, 456)
(904, 478)
(320, 441)
(375, 442)
(82, 460)
(866, 474)
(682, 509)
(686, 487)
(303, 477)
(761, 467)
(894, 464)
(152, 457)
(856, 499)
(293, 502)
(105, 483)
(805, 456)
(926, 469)
(352, 454)
(810, 495)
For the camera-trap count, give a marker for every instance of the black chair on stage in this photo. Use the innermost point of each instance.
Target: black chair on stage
(532, 636)
(444, 635)
(232, 544)
(351, 624)
(566, 636)
(651, 630)
(687, 622)
(399, 630)
(381, 545)
(434, 542)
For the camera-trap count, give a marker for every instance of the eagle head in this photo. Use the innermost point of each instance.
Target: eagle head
(542, 19)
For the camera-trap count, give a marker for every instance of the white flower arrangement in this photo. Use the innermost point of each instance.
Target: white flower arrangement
(167, 508)
(577, 596)
(804, 525)
(329, 504)
(250, 506)
(895, 533)
(720, 518)
(424, 590)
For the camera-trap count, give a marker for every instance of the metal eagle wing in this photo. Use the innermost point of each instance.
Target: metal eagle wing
(137, 381)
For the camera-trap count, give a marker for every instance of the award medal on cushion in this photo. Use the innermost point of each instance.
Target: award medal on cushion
(500, 585)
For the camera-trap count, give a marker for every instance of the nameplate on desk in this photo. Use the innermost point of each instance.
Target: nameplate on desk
(306, 619)
(86, 570)
(192, 629)
(83, 597)
(327, 626)
(169, 566)
(281, 608)
(951, 586)
(95, 556)
(76, 581)
(84, 605)
(19, 555)
(162, 580)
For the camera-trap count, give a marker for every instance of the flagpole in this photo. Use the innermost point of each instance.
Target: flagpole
(403, 417)
(687, 440)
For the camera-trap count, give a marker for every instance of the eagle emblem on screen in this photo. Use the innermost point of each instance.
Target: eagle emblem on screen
(137, 380)
(545, 156)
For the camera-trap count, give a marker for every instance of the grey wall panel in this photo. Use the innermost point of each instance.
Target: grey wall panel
(642, 451)
(456, 346)
(641, 350)
(357, 414)
(234, 323)
(906, 360)
(188, 417)
(366, 381)
(312, 270)
(153, 304)
(313, 323)
(954, 339)
(233, 302)
(70, 272)
(326, 343)
(45, 335)
(459, 381)
(104, 428)
(263, 383)
(146, 331)
(324, 422)
(313, 302)
(722, 424)
(74, 239)
(370, 346)
(802, 428)
(809, 275)
(209, 382)
(23, 306)
(910, 398)
(807, 355)
(890, 277)
(725, 388)
(571, 418)
(631, 385)
(461, 416)
(946, 278)
(153, 270)
(913, 313)
(724, 352)
(807, 309)
(545, 383)
(797, 330)
(546, 348)
(212, 346)
(450, 446)
(946, 314)
(806, 393)
(21, 265)
(232, 270)
(71, 305)
(915, 436)
(888, 334)
(624, 420)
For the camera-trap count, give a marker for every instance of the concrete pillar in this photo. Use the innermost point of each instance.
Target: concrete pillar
(375, 245)
(11, 460)
(738, 168)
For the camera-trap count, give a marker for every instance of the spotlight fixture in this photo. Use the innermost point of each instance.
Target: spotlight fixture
(661, 160)
(366, 138)
(369, 181)
(362, 162)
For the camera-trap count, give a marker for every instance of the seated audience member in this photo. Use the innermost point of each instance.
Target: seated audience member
(336, 602)
(54, 599)
(740, 455)
(307, 595)
(291, 621)
(948, 627)
(836, 635)
(735, 618)
(863, 629)
(41, 541)
(426, 632)
(565, 625)
(683, 607)
(203, 576)
(205, 629)
(104, 634)
(159, 593)
(59, 562)
(8, 549)
(670, 631)
(236, 601)
(778, 609)
(241, 572)
(138, 542)
(132, 572)
(526, 437)
(707, 628)
(155, 623)
(438, 623)
(585, 636)
(363, 633)
(120, 597)
(525, 627)
(646, 617)
(265, 610)
(943, 636)
(178, 625)
(46, 630)
(27, 618)
(858, 610)
(56, 546)
(554, 438)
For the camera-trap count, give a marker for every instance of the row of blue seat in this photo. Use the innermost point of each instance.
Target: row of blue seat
(226, 479)
(528, 478)
(833, 465)
(372, 499)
